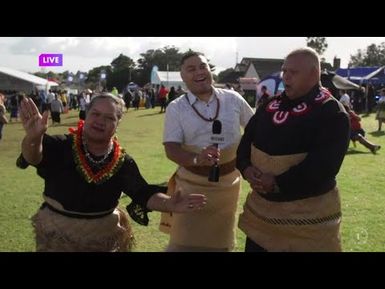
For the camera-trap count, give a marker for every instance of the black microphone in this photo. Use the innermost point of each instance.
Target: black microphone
(214, 170)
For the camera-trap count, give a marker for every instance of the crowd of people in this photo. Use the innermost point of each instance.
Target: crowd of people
(290, 154)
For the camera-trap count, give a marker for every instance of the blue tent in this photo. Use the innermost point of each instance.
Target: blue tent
(273, 83)
(329, 79)
(362, 75)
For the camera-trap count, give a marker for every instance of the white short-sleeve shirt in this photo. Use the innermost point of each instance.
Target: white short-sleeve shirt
(184, 125)
(345, 100)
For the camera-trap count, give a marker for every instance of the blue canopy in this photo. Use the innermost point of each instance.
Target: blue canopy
(330, 80)
(273, 83)
(363, 75)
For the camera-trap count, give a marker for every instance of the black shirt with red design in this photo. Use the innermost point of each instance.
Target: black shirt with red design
(315, 124)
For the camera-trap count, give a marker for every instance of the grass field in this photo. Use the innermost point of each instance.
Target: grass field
(361, 183)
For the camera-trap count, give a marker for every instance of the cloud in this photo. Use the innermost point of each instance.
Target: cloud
(84, 53)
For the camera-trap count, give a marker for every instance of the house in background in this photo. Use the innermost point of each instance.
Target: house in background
(258, 68)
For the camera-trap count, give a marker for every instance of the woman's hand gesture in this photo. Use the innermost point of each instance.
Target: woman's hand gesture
(35, 124)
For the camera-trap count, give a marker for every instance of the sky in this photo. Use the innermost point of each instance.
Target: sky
(85, 53)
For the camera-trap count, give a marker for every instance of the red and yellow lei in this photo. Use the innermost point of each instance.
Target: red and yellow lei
(81, 163)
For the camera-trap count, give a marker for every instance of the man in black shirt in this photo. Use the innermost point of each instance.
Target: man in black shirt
(290, 153)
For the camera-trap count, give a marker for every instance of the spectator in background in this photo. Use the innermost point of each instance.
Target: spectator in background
(180, 91)
(380, 115)
(56, 109)
(171, 95)
(345, 98)
(162, 97)
(357, 133)
(115, 91)
(14, 107)
(3, 117)
(264, 98)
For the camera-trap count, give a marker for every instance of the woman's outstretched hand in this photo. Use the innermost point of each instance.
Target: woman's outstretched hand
(35, 124)
(187, 203)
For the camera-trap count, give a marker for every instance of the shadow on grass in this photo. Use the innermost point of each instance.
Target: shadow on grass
(149, 114)
(355, 152)
(377, 133)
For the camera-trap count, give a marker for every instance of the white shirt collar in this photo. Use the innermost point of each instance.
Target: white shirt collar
(193, 98)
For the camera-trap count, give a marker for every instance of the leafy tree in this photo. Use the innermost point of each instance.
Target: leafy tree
(93, 78)
(40, 74)
(122, 62)
(319, 44)
(374, 55)
(229, 75)
(121, 74)
(167, 58)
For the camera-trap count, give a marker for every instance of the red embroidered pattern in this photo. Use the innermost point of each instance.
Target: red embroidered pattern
(81, 163)
(281, 116)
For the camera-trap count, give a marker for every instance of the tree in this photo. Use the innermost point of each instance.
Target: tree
(167, 58)
(121, 74)
(122, 62)
(319, 44)
(229, 75)
(93, 77)
(374, 55)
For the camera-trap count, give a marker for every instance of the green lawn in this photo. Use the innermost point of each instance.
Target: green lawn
(361, 182)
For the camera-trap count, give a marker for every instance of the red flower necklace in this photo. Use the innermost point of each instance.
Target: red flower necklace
(82, 166)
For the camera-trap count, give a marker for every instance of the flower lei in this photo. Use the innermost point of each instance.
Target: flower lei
(81, 163)
(281, 116)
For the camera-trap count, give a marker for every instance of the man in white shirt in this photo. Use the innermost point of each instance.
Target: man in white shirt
(50, 97)
(188, 139)
(345, 99)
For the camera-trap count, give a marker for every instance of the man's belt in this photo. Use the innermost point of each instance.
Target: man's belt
(77, 215)
(204, 171)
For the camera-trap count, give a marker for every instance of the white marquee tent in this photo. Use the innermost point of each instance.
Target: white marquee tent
(167, 78)
(11, 79)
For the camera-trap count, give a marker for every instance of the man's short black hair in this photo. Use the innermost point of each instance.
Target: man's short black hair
(189, 54)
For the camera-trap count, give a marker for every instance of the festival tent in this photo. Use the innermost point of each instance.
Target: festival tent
(11, 79)
(273, 83)
(332, 80)
(329, 79)
(378, 74)
(167, 78)
(363, 75)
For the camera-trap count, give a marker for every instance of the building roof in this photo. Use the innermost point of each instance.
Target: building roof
(266, 66)
(263, 66)
(23, 76)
